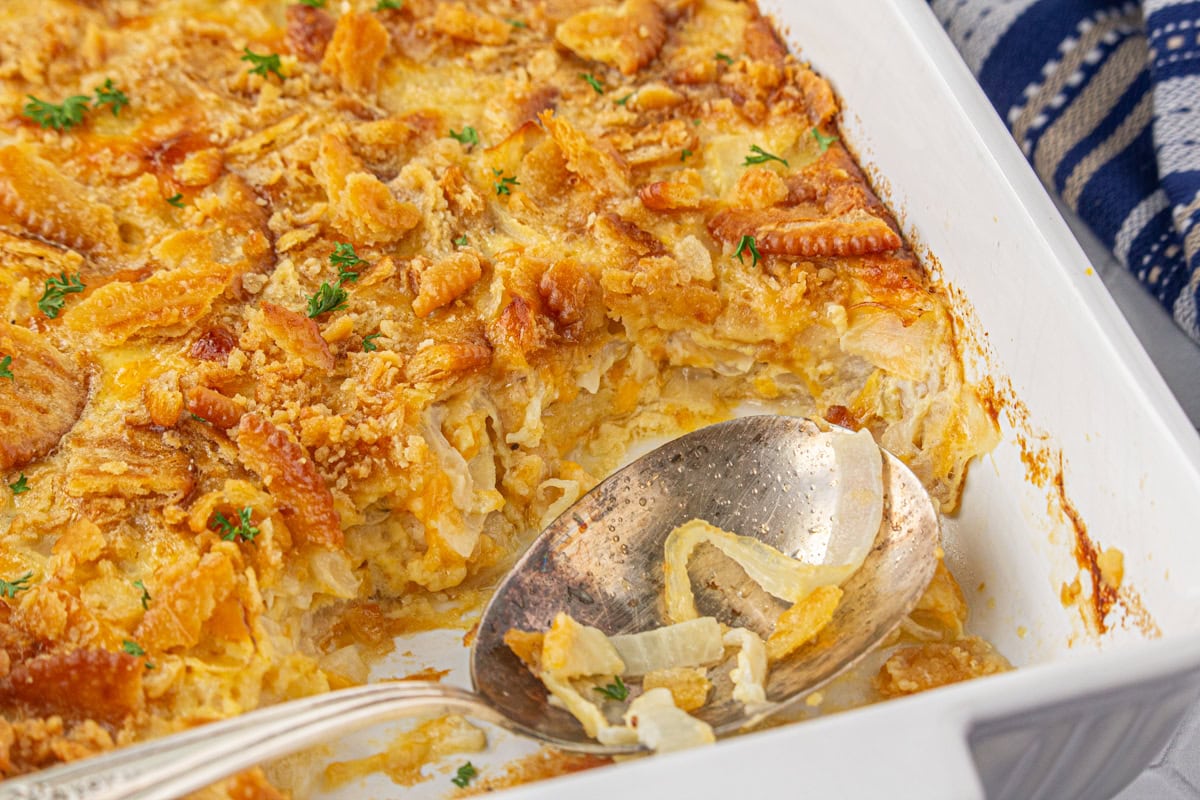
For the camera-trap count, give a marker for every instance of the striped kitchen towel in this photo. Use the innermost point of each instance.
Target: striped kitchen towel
(1104, 98)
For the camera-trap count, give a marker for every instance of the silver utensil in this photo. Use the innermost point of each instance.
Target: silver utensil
(600, 561)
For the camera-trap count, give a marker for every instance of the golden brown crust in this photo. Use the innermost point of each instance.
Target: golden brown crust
(53, 205)
(796, 232)
(308, 31)
(922, 667)
(355, 51)
(628, 37)
(288, 473)
(78, 684)
(42, 399)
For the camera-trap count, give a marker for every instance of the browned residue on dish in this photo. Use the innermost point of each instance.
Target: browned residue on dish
(1105, 597)
(545, 763)
(427, 674)
(1112, 602)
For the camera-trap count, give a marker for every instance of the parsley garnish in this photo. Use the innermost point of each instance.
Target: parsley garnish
(466, 773)
(198, 418)
(262, 64)
(5, 372)
(232, 530)
(135, 649)
(313, 3)
(369, 345)
(21, 486)
(344, 257)
(461, 241)
(145, 594)
(516, 23)
(393, 5)
(9, 589)
(744, 244)
(625, 99)
(176, 200)
(68, 114)
(468, 135)
(109, 95)
(333, 298)
(696, 122)
(617, 690)
(591, 80)
(684, 155)
(723, 57)
(504, 185)
(55, 292)
(328, 298)
(761, 156)
(823, 141)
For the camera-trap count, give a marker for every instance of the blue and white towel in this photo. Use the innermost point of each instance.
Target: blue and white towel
(1104, 98)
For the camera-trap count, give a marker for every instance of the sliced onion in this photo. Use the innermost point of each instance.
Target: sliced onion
(751, 670)
(857, 513)
(688, 644)
(859, 508)
(662, 727)
(783, 577)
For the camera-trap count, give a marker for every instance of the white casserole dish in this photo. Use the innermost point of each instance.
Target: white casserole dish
(1086, 712)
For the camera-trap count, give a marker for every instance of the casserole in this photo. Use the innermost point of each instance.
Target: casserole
(1084, 410)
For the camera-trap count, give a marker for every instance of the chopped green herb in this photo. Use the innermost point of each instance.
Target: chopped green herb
(313, 3)
(468, 136)
(625, 99)
(145, 594)
(617, 690)
(344, 257)
(5, 372)
(466, 773)
(9, 589)
(760, 156)
(262, 64)
(21, 486)
(516, 23)
(111, 96)
(135, 649)
(461, 241)
(369, 345)
(592, 82)
(198, 418)
(56, 290)
(696, 122)
(684, 155)
(61, 117)
(723, 57)
(823, 141)
(176, 200)
(504, 185)
(744, 244)
(328, 298)
(389, 5)
(231, 530)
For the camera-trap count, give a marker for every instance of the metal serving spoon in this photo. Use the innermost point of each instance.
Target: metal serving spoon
(600, 562)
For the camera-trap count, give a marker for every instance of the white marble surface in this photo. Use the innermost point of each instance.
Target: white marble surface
(1175, 773)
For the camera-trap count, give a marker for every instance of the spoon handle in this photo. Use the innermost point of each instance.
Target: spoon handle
(174, 765)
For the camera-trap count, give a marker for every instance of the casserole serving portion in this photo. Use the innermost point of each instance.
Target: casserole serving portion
(314, 313)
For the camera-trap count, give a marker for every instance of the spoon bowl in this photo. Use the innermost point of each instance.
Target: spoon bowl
(762, 476)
